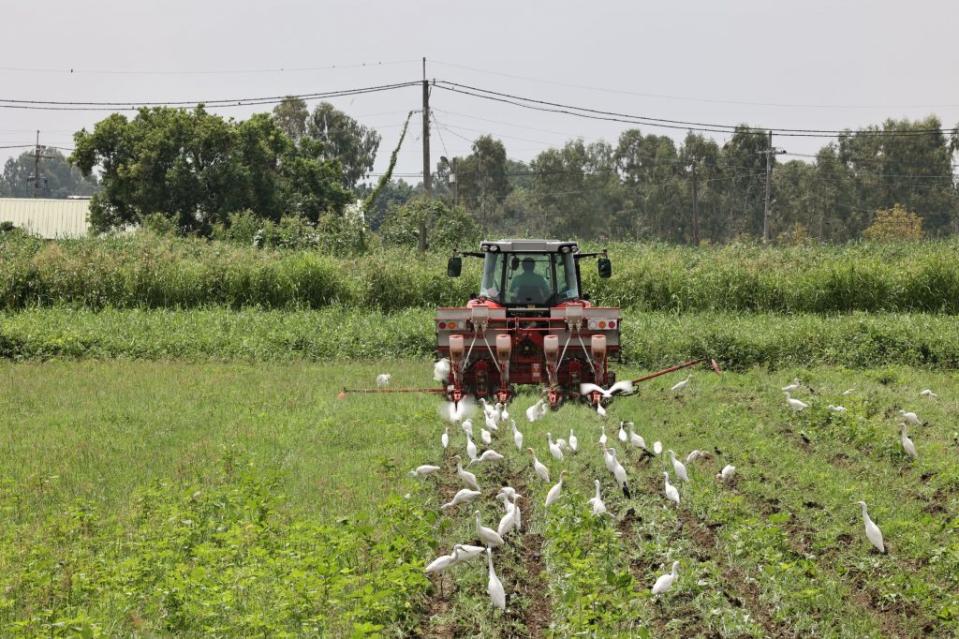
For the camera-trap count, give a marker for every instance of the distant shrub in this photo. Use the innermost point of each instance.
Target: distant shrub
(894, 225)
(447, 226)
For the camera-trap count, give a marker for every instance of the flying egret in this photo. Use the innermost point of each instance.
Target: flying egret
(910, 418)
(837, 409)
(872, 530)
(470, 447)
(907, 444)
(495, 587)
(794, 385)
(488, 536)
(540, 469)
(573, 442)
(636, 440)
(441, 370)
(927, 392)
(468, 478)
(517, 436)
(488, 455)
(443, 562)
(445, 437)
(596, 503)
(672, 493)
(462, 496)
(726, 473)
(679, 387)
(693, 456)
(467, 426)
(536, 411)
(622, 432)
(678, 467)
(467, 551)
(665, 582)
(795, 404)
(554, 492)
(424, 470)
(658, 447)
(554, 448)
(619, 472)
(383, 379)
(625, 387)
(602, 436)
(486, 437)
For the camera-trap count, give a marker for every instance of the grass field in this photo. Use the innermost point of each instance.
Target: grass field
(162, 498)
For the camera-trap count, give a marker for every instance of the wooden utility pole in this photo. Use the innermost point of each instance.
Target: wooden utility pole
(695, 208)
(769, 153)
(427, 169)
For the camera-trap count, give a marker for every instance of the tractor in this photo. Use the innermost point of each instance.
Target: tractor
(530, 323)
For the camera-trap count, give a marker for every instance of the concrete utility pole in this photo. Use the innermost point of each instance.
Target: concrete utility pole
(695, 209)
(769, 153)
(427, 171)
(37, 156)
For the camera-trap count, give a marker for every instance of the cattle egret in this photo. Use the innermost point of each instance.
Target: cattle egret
(658, 447)
(467, 426)
(601, 411)
(872, 530)
(497, 413)
(596, 503)
(665, 582)
(848, 391)
(678, 467)
(602, 436)
(679, 387)
(491, 423)
(619, 472)
(672, 493)
(463, 496)
(470, 447)
(795, 404)
(495, 587)
(693, 456)
(554, 492)
(517, 436)
(536, 411)
(508, 521)
(468, 478)
(573, 442)
(608, 458)
(622, 433)
(540, 469)
(424, 470)
(554, 448)
(486, 437)
(445, 437)
(441, 370)
(509, 491)
(726, 473)
(837, 409)
(911, 418)
(512, 495)
(488, 536)
(794, 385)
(636, 440)
(383, 379)
(926, 392)
(488, 455)
(907, 444)
(443, 562)
(467, 551)
(625, 387)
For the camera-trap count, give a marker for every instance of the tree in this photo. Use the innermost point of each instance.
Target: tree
(895, 224)
(344, 140)
(58, 178)
(290, 115)
(745, 165)
(449, 226)
(653, 187)
(482, 181)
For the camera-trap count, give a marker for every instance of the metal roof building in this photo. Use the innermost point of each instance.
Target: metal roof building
(47, 218)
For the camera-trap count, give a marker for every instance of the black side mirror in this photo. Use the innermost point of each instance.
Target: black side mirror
(605, 267)
(454, 266)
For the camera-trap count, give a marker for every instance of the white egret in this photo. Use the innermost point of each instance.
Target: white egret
(508, 521)
(491, 423)
(443, 562)
(601, 411)
(596, 503)
(672, 493)
(517, 436)
(511, 494)
(456, 412)
(488, 455)
(848, 391)
(837, 409)
(657, 447)
(794, 385)
(619, 472)
(693, 456)
(573, 442)
(554, 448)
(602, 436)
(467, 426)
(665, 582)
(910, 418)
(608, 458)
(872, 530)
(907, 444)
(562, 443)
(468, 551)
(462, 496)
(536, 411)
(679, 387)
(424, 470)
(441, 370)
(927, 392)
(625, 387)
(622, 432)
(726, 473)
(470, 447)
(795, 404)
(678, 467)
(497, 412)
(495, 587)
(488, 536)
(486, 437)
(445, 437)
(468, 478)
(554, 492)
(383, 379)
(540, 469)
(636, 440)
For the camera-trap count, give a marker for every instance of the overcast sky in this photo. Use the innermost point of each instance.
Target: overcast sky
(814, 64)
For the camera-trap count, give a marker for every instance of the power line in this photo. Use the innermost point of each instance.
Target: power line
(79, 71)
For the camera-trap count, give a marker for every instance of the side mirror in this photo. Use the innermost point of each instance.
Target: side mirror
(605, 267)
(455, 266)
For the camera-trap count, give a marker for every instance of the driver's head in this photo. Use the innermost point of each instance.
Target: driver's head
(528, 264)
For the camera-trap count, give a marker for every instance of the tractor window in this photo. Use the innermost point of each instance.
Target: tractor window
(566, 285)
(529, 279)
(492, 276)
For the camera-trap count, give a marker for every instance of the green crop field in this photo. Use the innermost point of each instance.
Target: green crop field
(177, 498)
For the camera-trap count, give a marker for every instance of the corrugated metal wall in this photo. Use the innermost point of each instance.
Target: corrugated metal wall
(47, 218)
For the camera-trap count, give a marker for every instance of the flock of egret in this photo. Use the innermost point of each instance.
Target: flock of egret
(496, 415)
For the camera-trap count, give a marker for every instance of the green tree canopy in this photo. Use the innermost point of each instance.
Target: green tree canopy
(58, 178)
(343, 140)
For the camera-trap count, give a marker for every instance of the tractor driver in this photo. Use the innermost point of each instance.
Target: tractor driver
(529, 286)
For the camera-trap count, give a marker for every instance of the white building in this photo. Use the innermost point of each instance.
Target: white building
(47, 218)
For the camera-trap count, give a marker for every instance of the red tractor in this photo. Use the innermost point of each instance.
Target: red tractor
(530, 323)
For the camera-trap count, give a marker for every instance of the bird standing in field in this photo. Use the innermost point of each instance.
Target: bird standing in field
(795, 404)
(636, 440)
(443, 562)
(488, 455)
(486, 437)
(679, 387)
(554, 448)
(424, 470)
(622, 433)
(445, 437)
(793, 385)
(657, 447)
(488, 536)
(596, 503)
(383, 379)
(727, 473)
(693, 456)
(467, 426)
(910, 418)
(495, 587)
(462, 496)
(573, 442)
(837, 409)
(678, 467)
(602, 435)
(907, 444)
(468, 551)
(665, 582)
(672, 493)
(508, 521)
(872, 530)
(608, 458)
(553, 495)
(536, 411)
(468, 478)
(927, 392)
(517, 436)
(540, 469)
(470, 447)
(619, 473)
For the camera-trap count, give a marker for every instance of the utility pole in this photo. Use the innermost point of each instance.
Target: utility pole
(695, 208)
(427, 177)
(769, 153)
(37, 156)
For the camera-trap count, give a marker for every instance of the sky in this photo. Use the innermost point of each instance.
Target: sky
(811, 64)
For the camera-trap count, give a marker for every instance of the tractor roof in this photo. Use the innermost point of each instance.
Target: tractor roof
(529, 246)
